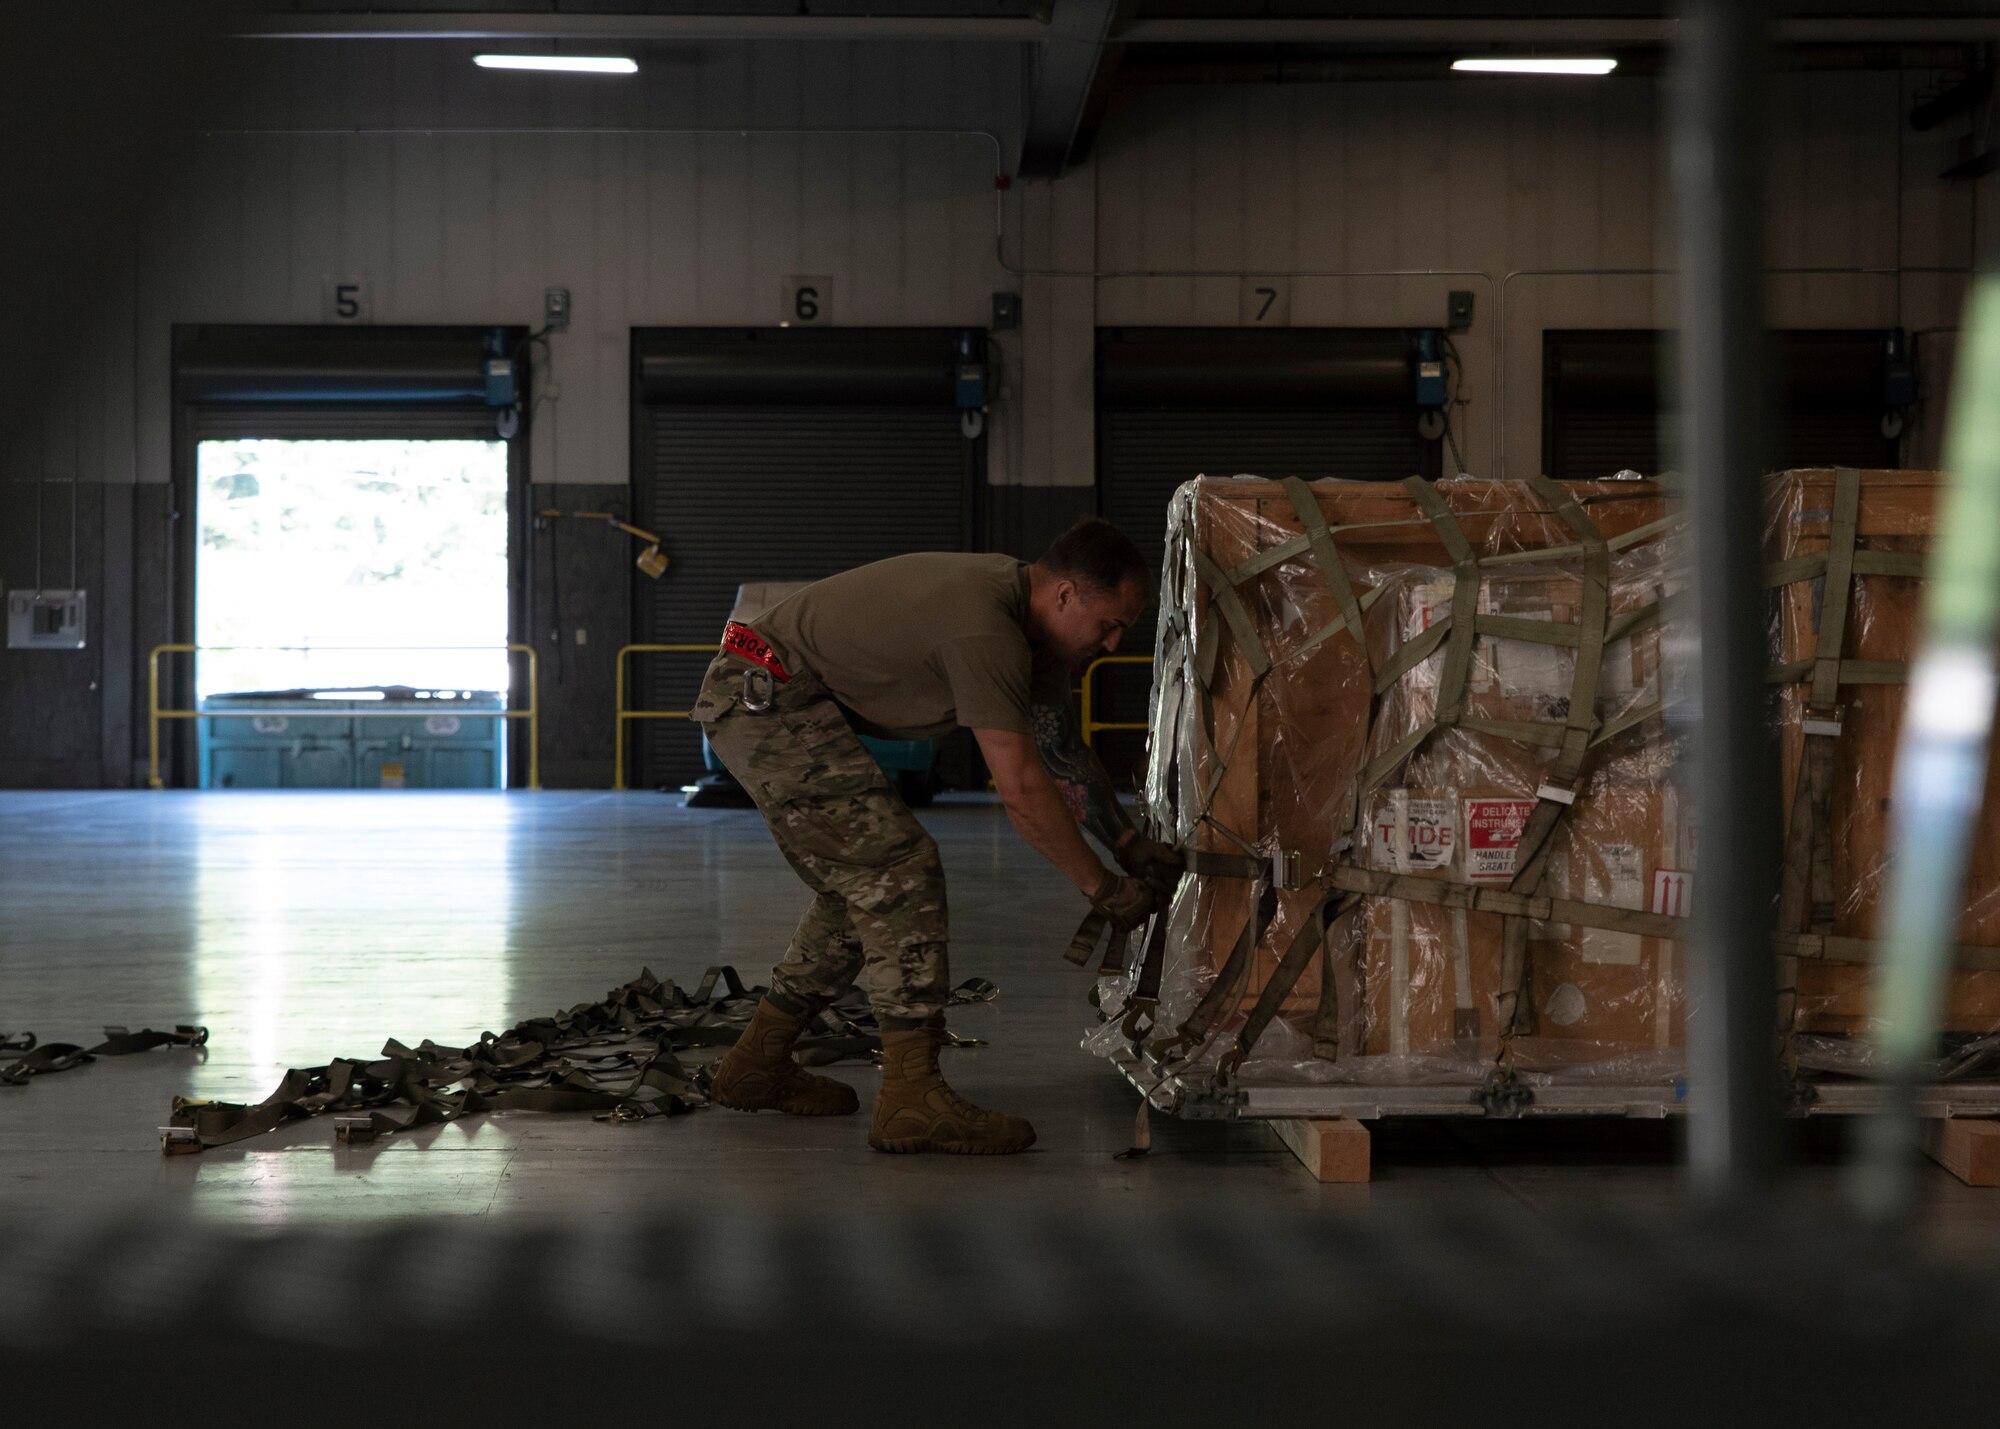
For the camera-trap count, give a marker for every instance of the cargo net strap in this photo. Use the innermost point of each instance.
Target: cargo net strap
(42, 1059)
(1806, 885)
(617, 1058)
(1188, 660)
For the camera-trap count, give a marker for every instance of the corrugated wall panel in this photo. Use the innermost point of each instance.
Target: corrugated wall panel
(1605, 407)
(778, 493)
(1594, 445)
(1144, 455)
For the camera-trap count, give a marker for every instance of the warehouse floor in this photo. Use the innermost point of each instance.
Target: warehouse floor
(298, 927)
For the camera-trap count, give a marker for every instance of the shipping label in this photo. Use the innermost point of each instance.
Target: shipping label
(1529, 668)
(1429, 603)
(1492, 834)
(1673, 892)
(1622, 884)
(1412, 835)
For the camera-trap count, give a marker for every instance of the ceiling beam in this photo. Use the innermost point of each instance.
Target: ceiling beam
(1069, 75)
(1583, 30)
(1886, 28)
(516, 25)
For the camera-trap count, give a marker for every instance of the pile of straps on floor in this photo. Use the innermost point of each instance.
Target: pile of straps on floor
(617, 1058)
(40, 1060)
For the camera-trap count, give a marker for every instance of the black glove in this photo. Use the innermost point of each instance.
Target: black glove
(1127, 902)
(1160, 865)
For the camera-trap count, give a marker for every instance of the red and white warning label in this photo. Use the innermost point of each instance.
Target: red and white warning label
(1492, 834)
(1673, 892)
(1412, 835)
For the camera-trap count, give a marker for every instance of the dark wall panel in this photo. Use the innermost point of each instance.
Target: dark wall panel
(1174, 404)
(114, 632)
(1606, 404)
(50, 700)
(1022, 520)
(580, 574)
(154, 552)
(779, 493)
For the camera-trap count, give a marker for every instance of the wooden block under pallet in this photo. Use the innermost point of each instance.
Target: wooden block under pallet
(1967, 1148)
(1332, 1148)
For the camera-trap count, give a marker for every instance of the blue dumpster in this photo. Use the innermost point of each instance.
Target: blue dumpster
(311, 739)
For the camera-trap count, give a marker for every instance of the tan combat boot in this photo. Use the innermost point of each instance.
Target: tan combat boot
(916, 1111)
(758, 1074)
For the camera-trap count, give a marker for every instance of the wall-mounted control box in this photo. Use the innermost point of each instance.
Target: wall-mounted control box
(44, 620)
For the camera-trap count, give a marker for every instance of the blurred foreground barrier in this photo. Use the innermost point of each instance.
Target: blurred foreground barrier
(986, 1316)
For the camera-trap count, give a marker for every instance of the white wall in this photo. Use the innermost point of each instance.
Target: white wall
(1489, 176)
(644, 228)
(1502, 177)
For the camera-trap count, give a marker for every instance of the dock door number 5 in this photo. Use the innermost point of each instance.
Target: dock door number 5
(343, 300)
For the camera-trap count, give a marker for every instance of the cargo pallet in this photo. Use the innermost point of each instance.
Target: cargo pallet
(1325, 1125)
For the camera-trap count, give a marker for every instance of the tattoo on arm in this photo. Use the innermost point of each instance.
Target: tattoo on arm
(1086, 789)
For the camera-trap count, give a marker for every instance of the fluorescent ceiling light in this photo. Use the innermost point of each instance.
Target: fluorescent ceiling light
(573, 64)
(1535, 66)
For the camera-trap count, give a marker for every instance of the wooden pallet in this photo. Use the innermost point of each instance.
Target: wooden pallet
(1966, 1147)
(1333, 1149)
(1336, 1149)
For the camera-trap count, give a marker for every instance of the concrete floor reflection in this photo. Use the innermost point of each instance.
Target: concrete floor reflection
(300, 927)
(328, 922)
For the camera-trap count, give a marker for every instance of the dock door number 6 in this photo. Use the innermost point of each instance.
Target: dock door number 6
(806, 300)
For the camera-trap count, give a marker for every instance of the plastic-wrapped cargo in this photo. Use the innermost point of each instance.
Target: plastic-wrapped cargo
(1411, 738)
(1447, 844)
(1847, 551)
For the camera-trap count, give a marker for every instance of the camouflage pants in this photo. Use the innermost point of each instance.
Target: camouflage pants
(879, 914)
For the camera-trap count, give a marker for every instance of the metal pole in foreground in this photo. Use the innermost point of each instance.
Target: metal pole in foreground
(1718, 170)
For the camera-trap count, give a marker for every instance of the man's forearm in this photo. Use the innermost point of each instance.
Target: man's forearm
(1087, 791)
(1039, 814)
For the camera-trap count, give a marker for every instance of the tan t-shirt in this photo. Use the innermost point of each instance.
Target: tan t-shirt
(916, 645)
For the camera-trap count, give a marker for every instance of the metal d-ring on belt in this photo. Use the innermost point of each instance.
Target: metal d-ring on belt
(746, 644)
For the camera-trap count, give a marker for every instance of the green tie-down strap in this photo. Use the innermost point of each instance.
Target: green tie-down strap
(1558, 789)
(43, 1059)
(1305, 945)
(1229, 978)
(1839, 588)
(1320, 541)
(618, 1058)
(1464, 603)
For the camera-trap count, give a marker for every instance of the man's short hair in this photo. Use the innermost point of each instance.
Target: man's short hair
(1096, 554)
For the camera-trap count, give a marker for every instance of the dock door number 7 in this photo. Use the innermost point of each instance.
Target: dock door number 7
(1264, 300)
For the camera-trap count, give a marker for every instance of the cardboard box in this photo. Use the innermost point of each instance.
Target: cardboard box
(1883, 614)
(1275, 764)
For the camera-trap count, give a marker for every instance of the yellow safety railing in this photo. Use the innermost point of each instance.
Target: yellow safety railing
(154, 714)
(623, 714)
(1092, 725)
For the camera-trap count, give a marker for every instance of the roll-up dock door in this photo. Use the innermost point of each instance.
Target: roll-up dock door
(776, 455)
(1176, 403)
(393, 388)
(1606, 400)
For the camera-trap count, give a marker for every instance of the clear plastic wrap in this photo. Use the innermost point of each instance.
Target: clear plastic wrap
(1837, 828)
(1272, 739)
